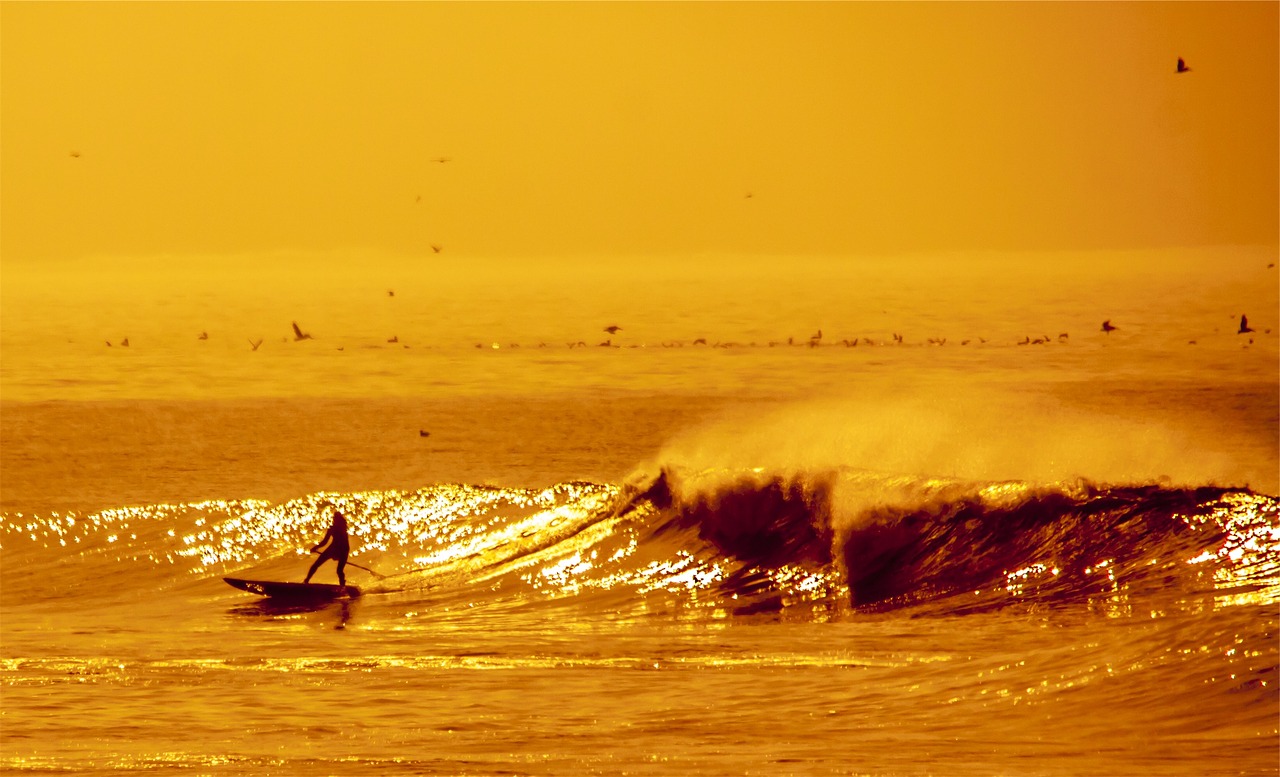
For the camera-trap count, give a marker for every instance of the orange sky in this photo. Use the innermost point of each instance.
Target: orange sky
(624, 128)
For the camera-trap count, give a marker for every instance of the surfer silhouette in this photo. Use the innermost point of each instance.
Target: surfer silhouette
(339, 547)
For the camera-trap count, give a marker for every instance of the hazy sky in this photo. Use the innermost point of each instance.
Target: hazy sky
(624, 128)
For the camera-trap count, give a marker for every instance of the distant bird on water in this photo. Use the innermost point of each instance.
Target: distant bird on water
(75, 154)
(436, 248)
(125, 342)
(1182, 66)
(255, 345)
(203, 336)
(1244, 325)
(423, 433)
(1107, 327)
(298, 334)
(613, 329)
(390, 293)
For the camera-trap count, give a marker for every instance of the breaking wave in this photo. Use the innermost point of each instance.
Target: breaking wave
(742, 542)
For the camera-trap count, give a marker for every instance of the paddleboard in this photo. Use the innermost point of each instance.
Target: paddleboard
(297, 591)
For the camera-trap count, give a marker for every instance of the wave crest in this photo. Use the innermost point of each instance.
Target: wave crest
(902, 541)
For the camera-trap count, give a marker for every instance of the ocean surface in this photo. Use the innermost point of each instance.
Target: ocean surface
(797, 516)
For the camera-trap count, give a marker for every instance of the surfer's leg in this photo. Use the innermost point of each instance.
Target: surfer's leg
(342, 565)
(314, 567)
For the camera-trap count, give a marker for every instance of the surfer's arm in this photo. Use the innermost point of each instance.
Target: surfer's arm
(327, 536)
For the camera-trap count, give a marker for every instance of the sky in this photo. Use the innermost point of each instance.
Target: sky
(541, 129)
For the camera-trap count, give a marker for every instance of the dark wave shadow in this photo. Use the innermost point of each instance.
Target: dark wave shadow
(274, 609)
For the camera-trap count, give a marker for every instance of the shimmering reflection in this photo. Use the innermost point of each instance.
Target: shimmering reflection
(1248, 560)
(401, 530)
(605, 558)
(1017, 581)
(575, 539)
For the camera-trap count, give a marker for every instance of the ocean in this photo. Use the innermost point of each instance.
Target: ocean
(910, 515)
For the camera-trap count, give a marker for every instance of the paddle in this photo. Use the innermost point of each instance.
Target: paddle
(378, 575)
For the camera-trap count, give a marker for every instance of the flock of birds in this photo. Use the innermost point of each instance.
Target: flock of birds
(813, 341)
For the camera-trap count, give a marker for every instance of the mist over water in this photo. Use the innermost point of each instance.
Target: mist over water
(984, 435)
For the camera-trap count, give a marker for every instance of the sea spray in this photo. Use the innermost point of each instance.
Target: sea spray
(964, 432)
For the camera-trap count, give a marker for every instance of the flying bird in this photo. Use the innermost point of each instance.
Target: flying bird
(1107, 327)
(255, 345)
(298, 334)
(1182, 66)
(1244, 325)
(613, 329)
